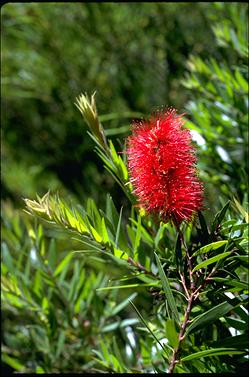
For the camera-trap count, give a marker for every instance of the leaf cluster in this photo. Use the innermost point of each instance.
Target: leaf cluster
(89, 288)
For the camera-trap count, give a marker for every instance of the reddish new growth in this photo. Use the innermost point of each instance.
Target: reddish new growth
(162, 167)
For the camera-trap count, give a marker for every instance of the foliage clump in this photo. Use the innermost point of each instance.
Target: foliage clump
(108, 288)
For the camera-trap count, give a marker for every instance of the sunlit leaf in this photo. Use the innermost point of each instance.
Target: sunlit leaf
(62, 264)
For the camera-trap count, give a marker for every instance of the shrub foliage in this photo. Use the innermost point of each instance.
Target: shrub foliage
(90, 288)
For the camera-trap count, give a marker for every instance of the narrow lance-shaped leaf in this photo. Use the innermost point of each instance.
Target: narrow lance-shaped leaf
(234, 283)
(104, 232)
(212, 352)
(138, 236)
(12, 362)
(123, 304)
(60, 343)
(238, 342)
(210, 247)
(242, 210)
(219, 217)
(171, 333)
(159, 234)
(209, 316)
(135, 285)
(211, 260)
(151, 332)
(118, 227)
(205, 234)
(167, 289)
(63, 263)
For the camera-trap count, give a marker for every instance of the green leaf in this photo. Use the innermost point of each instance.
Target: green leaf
(219, 217)
(239, 342)
(210, 316)
(138, 236)
(52, 254)
(120, 183)
(63, 263)
(105, 350)
(60, 343)
(210, 247)
(120, 324)
(110, 210)
(74, 222)
(123, 168)
(89, 244)
(37, 286)
(96, 235)
(203, 226)
(211, 260)
(86, 251)
(7, 259)
(137, 285)
(120, 254)
(123, 304)
(212, 352)
(171, 333)
(241, 210)
(148, 328)
(14, 363)
(113, 153)
(104, 231)
(118, 355)
(39, 370)
(234, 227)
(237, 324)
(73, 283)
(234, 283)
(118, 227)
(242, 82)
(167, 289)
(144, 234)
(115, 218)
(159, 235)
(94, 215)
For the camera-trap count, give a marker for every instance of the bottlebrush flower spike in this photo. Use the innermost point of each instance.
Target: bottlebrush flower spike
(162, 167)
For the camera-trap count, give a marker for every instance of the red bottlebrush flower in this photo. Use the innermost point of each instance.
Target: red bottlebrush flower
(162, 167)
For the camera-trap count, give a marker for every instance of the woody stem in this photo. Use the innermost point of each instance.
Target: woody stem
(140, 267)
(189, 261)
(181, 334)
(192, 294)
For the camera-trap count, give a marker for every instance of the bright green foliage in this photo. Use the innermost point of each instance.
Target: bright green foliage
(105, 288)
(69, 304)
(219, 105)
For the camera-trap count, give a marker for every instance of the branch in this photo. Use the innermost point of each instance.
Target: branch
(192, 295)
(191, 298)
(181, 334)
(140, 267)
